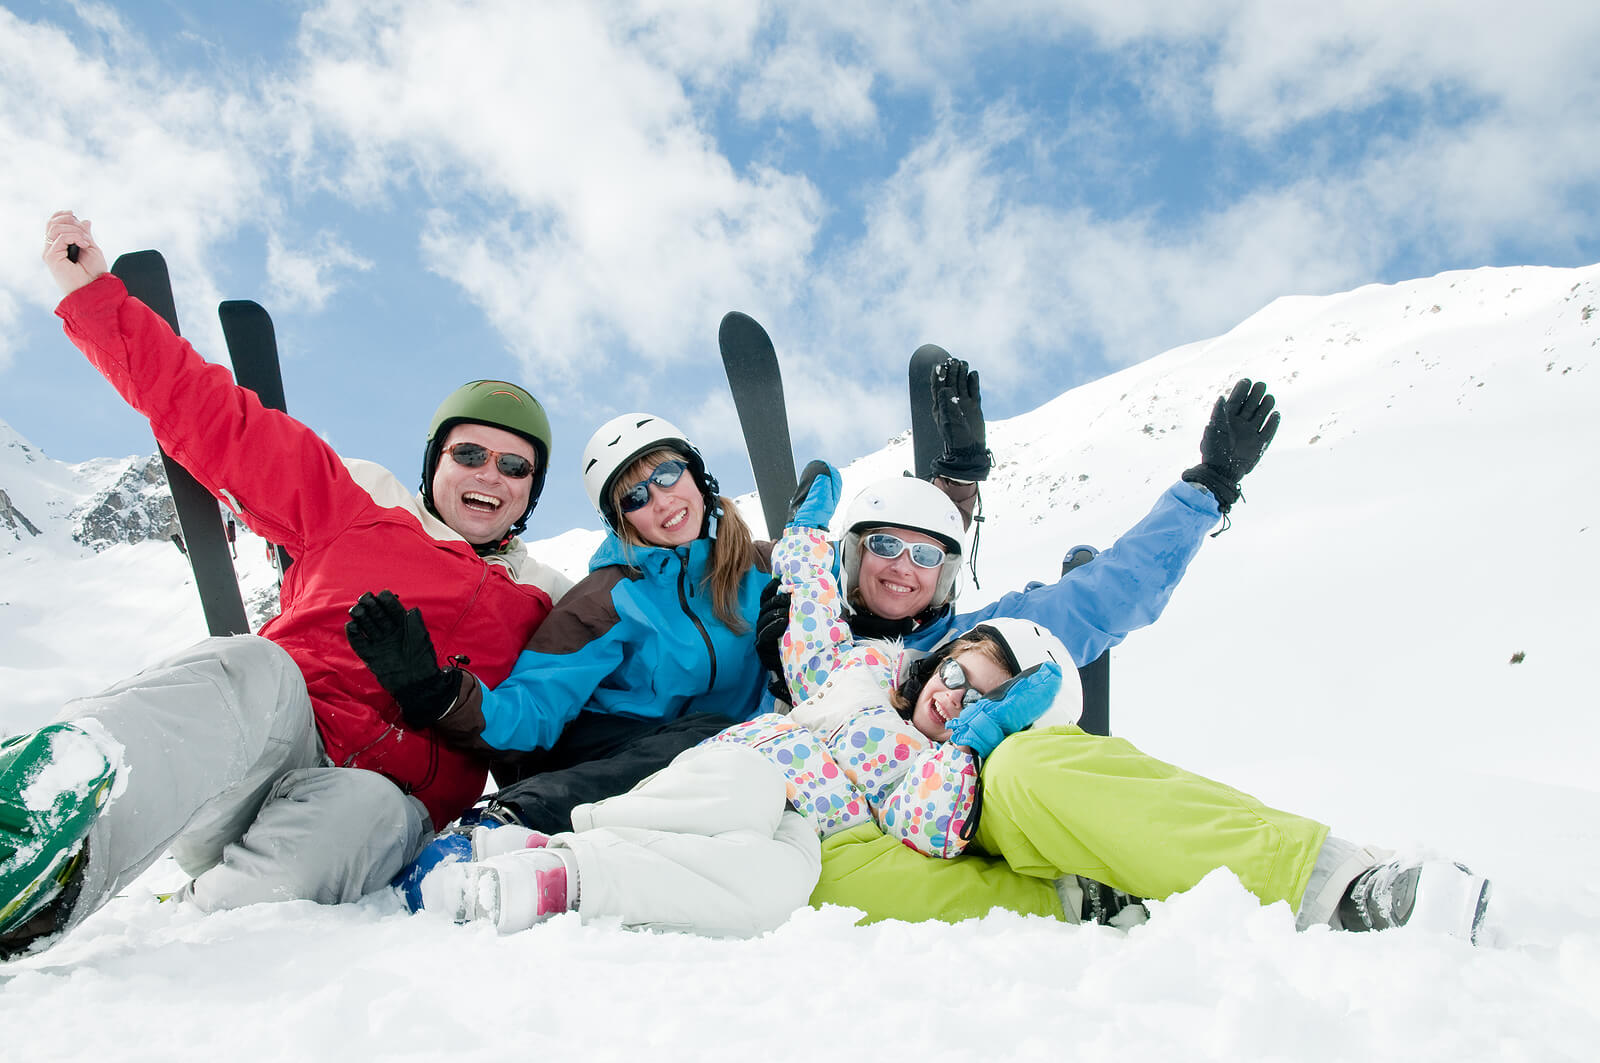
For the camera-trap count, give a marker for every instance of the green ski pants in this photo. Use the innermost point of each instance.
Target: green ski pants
(1060, 802)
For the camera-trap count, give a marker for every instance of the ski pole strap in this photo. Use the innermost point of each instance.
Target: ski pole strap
(977, 532)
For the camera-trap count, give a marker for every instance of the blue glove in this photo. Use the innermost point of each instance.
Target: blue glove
(1010, 707)
(817, 496)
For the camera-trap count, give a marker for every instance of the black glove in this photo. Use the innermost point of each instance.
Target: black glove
(771, 622)
(958, 411)
(394, 643)
(1241, 426)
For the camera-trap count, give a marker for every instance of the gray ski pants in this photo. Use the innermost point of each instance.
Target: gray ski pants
(221, 763)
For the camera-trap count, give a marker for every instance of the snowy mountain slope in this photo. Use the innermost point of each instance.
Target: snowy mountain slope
(1345, 650)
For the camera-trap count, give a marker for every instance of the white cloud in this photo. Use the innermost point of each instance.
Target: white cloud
(9, 314)
(799, 80)
(957, 253)
(97, 126)
(573, 185)
(578, 198)
(301, 279)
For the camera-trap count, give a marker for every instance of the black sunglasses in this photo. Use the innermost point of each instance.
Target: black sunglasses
(663, 476)
(889, 547)
(475, 456)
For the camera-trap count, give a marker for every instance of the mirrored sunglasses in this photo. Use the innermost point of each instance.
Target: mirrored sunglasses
(889, 547)
(475, 456)
(954, 677)
(663, 476)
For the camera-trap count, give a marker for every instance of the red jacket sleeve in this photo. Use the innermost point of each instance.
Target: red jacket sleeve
(282, 479)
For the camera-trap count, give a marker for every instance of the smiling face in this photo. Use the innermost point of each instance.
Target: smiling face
(481, 504)
(938, 704)
(894, 589)
(674, 515)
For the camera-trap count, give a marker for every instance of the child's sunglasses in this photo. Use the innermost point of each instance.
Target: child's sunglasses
(954, 677)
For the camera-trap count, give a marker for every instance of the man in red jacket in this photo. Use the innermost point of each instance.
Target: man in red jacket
(274, 767)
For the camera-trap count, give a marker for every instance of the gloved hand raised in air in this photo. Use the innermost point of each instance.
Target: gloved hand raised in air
(816, 497)
(1013, 706)
(958, 413)
(394, 643)
(1241, 426)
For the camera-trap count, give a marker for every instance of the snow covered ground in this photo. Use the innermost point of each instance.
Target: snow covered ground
(1397, 636)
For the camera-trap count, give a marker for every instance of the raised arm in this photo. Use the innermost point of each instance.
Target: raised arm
(817, 641)
(275, 473)
(1127, 586)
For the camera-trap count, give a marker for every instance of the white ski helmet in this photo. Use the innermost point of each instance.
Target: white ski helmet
(904, 502)
(1024, 644)
(620, 442)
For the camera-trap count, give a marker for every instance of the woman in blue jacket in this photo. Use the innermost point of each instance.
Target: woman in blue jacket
(646, 656)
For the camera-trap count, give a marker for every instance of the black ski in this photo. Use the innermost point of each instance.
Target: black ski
(1096, 675)
(253, 349)
(752, 368)
(205, 540)
(925, 445)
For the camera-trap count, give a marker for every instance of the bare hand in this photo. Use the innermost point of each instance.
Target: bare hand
(64, 230)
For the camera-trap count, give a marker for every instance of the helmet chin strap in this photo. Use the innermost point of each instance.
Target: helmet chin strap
(713, 505)
(488, 549)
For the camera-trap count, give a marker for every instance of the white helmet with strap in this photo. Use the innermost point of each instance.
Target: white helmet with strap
(916, 505)
(620, 442)
(1024, 644)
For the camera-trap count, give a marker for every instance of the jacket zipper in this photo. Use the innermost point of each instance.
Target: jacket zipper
(683, 600)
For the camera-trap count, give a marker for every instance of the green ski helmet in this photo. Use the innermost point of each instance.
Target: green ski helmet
(499, 404)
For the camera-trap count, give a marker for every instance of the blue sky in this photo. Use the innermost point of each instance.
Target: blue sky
(571, 194)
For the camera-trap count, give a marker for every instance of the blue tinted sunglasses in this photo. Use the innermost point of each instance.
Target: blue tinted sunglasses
(663, 476)
(889, 547)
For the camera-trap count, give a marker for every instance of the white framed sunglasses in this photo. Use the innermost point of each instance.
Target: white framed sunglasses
(889, 547)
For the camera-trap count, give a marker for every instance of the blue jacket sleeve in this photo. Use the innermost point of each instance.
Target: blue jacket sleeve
(545, 692)
(1095, 606)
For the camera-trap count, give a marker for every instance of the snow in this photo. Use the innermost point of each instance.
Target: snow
(1396, 636)
(75, 762)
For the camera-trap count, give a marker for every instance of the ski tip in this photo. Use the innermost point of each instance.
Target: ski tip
(737, 325)
(243, 311)
(135, 259)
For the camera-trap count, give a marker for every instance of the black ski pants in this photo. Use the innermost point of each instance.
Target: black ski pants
(596, 757)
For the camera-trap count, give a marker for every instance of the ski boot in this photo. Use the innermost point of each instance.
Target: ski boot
(473, 839)
(513, 891)
(1435, 894)
(53, 784)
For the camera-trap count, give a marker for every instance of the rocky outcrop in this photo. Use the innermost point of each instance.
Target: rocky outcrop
(14, 520)
(136, 508)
